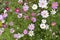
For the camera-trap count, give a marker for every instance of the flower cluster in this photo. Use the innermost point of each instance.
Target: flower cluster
(27, 13)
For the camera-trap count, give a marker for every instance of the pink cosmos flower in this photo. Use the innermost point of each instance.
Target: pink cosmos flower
(5, 15)
(53, 23)
(7, 8)
(25, 8)
(12, 30)
(25, 31)
(32, 14)
(27, 17)
(33, 19)
(31, 26)
(16, 36)
(17, 10)
(1, 17)
(54, 5)
(11, 23)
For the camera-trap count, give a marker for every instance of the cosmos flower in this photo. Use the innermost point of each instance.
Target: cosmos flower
(25, 31)
(44, 13)
(34, 7)
(17, 10)
(44, 26)
(43, 21)
(1, 18)
(7, 8)
(31, 26)
(43, 4)
(11, 23)
(33, 19)
(20, 1)
(12, 30)
(5, 11)
(17, 36)
(31, 33)
(5, 15)
(19, 15)
(32, 14)
(1, 31)
(25, 8)
(53, 23)
(53, 12)
(26, 17)
(55, 5)
(26, 13)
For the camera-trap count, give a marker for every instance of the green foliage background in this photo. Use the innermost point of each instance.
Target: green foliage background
(23, 24)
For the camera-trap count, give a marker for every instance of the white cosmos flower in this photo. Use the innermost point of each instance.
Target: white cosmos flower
(12, 30)
(43, 4)
(43, 21)
(44, 14)
(31, 33)
(5, 11)
(53, 12)
(1, 30)
(42, 26)
(19, 15)
(34, 7)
